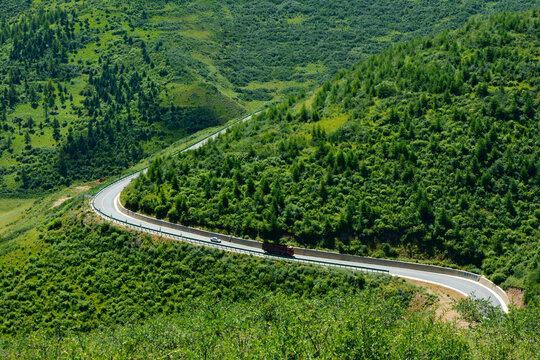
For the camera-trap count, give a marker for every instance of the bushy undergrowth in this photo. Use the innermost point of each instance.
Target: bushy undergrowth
(368, 325)
(89, 276)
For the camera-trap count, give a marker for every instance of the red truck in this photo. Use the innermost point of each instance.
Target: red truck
(277, 249)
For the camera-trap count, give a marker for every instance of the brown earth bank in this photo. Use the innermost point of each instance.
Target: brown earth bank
(443, 305)
(516, 297)
(73, 191)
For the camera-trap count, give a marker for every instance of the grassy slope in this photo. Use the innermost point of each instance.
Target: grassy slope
(277, 327)
(12, 210)
(23, 218)
(108, 24)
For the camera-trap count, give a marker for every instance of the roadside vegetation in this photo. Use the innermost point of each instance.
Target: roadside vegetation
(426, 151)
(91, 274)
(89, 289)
(342, 326)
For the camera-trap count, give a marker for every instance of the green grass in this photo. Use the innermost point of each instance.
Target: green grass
(331, 123)
(12, 210)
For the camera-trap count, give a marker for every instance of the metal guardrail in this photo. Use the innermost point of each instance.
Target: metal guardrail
(235, 249)
(463, 274)
(210, 244)
(469, 275)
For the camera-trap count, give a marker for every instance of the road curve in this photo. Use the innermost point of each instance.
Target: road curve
(104, 203)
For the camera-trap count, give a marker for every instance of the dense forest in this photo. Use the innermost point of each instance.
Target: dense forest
(89, 88)
(427, 150)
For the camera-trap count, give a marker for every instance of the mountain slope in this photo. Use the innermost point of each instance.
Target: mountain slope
(91, 87)
(428, 150)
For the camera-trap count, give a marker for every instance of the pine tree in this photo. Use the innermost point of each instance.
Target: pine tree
(12, 95)
(315, 115)
(27, 139)
(25, 179)
(509, 204)
(33, 97)
(174, 183)
(303, 115)
(56, 130)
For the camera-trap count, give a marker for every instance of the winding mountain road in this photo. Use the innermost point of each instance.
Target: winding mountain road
(105, 203)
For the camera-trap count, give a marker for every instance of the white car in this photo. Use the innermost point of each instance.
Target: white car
(215, 240)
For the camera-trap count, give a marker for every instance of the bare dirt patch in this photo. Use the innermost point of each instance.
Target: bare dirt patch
(70, 193)
(60, 201)
(443, 306)
(516, 297)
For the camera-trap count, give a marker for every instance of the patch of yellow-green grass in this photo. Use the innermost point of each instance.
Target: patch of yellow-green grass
(312, 68)
(278, 88)
(10, 181)
(144, 34)
(387, 37)
(296, 20)
(45, 140)
(108, 39)
(202, 95)
(8, 159)
(96, 18)
(197, 34)
(78, 85)
(15, 252)
(89, 53)
(25, 111)
(309, 102)
(189, 95)
(12, 210)
(185, 94)
(19, 237)
(275, 85)
(331, 123)
(190, 18)
(204, 58)
(20, 226)
(158, 19)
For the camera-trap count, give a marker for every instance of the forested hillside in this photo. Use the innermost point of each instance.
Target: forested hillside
(81, 99)
(89, 88)
(429, 150)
